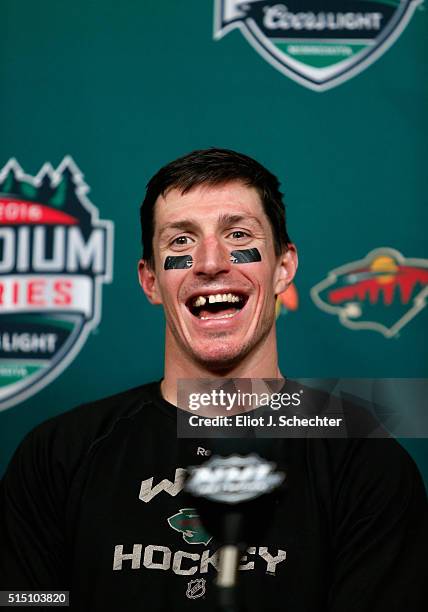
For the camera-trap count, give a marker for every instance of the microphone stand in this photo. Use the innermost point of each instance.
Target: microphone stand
(230, 555)
(228, 489)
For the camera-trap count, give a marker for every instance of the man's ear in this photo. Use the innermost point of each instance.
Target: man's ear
(286, 269)
(148, 282)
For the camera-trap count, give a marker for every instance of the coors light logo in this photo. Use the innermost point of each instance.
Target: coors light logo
(318, 44)
(55, 254)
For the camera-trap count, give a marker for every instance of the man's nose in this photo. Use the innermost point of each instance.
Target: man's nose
(211, 258)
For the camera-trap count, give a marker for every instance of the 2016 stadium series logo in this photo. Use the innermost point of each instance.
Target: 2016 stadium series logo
(382, 292)
(55, 254)
(318, 44)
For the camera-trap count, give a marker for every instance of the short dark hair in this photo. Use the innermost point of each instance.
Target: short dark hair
(214, 167)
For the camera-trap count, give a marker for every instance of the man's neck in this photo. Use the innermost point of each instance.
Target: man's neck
(262, 362)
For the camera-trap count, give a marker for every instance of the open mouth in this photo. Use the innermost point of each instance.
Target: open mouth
(218, 306)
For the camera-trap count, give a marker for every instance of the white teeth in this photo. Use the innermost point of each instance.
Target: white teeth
(212, 299)
(225, 316)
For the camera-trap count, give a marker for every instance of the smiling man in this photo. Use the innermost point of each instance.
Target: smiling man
(227, 221)
(92, 501)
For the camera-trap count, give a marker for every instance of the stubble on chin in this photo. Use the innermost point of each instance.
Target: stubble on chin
(223, 357)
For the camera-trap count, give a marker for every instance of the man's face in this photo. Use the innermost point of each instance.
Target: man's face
(216, 311)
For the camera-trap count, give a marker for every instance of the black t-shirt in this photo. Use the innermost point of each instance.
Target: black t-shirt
(92, 502)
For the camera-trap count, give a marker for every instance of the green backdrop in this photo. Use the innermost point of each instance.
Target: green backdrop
(126, 87)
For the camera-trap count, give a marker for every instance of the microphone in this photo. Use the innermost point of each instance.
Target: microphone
(238, 483)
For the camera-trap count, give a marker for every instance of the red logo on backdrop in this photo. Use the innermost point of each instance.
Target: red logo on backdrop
(381, 292)
(55, 254)
(287, 301)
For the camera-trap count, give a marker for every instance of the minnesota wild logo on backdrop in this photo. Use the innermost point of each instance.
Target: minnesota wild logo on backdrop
(55, 254)
(382, 292)
(318, 43)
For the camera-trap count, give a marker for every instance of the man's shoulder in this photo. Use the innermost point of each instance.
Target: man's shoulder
(120, 405)
(369, 473)
(375, 457)
(72, 433)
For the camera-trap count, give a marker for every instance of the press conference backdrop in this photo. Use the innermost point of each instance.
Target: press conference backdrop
(96, 96)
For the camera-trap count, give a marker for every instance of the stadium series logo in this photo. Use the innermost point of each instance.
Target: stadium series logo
(382, 292)
(55, 254)
(318, 44)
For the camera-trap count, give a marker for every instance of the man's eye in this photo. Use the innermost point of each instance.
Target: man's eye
(239, 234)
(181, 240)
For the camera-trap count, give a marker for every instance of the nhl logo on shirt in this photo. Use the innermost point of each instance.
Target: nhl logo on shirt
(196, 588)
(55, 255)
(319, 45)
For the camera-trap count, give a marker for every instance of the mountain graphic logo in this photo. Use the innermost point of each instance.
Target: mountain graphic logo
(55, 255)
(317, 44)
(187, 522)
(382, 292)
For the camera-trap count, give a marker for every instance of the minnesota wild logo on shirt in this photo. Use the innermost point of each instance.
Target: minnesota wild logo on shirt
(187, 522)
(318, 44)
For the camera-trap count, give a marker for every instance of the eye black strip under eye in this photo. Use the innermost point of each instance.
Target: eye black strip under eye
(245, 256)
(178, 262)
